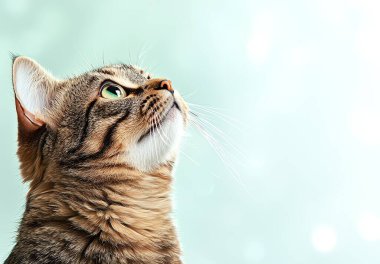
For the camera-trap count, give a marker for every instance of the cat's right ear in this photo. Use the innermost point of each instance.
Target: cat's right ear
(34, 88)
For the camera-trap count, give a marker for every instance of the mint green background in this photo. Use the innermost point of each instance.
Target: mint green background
(300, 77)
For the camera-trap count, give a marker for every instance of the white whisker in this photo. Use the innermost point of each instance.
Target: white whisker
(221, 143)
(151, 134)
(228, 119)
(164, 138)
(225, 139)
(220, 152)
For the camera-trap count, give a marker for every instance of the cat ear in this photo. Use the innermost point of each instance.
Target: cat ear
(34, 89)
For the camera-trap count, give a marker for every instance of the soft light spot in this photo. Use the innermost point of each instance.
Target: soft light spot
(324, 239)
(254, 252)
(16, 7)
(369, 226)
(260, 41)
(367, 43)
(333, 10)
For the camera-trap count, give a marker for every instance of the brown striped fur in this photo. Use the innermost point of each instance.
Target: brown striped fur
(87, 203)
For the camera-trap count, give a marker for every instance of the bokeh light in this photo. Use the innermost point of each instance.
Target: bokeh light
(260, 40)
(369, 226)
(324, 239)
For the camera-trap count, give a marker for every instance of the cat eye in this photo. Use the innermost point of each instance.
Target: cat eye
(112, 91)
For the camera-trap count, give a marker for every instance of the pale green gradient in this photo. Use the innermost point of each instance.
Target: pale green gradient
(300, 78)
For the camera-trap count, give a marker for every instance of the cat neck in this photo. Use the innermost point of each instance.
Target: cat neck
(128, 215)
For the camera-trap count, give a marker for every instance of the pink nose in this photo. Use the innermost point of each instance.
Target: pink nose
(167, 84)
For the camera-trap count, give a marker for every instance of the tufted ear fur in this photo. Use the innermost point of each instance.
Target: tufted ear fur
(34, 89)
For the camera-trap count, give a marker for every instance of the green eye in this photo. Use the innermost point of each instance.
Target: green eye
(112, 91)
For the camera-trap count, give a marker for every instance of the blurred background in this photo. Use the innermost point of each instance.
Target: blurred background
(285, 168)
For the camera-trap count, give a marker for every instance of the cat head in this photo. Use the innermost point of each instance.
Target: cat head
(116, 112)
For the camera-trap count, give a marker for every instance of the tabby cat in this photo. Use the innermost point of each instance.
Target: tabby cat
(98, 152)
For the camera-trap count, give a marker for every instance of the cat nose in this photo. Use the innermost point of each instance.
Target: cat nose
(167, 85)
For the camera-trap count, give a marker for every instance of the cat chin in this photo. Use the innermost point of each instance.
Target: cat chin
(160, 146)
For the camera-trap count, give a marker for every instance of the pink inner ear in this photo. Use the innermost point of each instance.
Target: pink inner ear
(33, 120)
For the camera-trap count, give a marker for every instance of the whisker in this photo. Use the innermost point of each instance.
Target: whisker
(220, 152)
(189, 94)
(163, 137)
(223, 136)
(143, 50)
(153, 137)
(159, 130)
(216, 111)
(229, 120)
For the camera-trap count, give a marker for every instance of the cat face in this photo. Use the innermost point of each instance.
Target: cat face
(116, 112)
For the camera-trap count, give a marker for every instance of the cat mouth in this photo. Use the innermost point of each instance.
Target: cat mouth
(158, 124)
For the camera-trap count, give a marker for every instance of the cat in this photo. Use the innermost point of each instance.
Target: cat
(98, 151)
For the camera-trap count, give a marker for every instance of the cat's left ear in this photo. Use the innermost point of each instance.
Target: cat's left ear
(34, 89)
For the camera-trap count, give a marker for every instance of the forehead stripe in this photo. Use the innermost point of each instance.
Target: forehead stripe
(105, 71)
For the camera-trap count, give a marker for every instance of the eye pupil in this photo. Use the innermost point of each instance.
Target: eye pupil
(114, 90)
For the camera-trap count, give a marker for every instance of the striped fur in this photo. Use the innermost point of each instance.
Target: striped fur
(89, 200)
